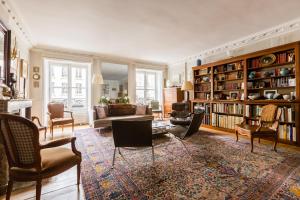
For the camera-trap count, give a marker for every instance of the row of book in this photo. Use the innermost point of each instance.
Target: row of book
(287, 115)
(206, 120)
(228, 108)
(281, 58)
(287, 132)
(228, 86)
(225, 121)
(203, 87)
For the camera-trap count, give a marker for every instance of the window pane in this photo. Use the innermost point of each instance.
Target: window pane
(150, 95)
(140, 96)
(140, 80)
(150, 81)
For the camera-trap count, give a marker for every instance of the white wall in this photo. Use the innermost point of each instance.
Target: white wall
(37, 56)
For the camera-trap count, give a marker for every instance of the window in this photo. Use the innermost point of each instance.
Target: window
(78, 73)
(147, 86)
(64, 89)
(78, 88)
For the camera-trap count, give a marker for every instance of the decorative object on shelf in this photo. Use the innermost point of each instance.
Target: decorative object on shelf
(269, 94)
(267, 60)
(14, 52)
(291, 57)
(198, 62)
(286, 97)
(292, 82)
(187, 86)
(233, 95)
(277, 96)
(205, 79)
(254, 96)
(252, 75)
(284, 72)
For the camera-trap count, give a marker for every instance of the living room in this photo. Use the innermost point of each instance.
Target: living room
(149, 99)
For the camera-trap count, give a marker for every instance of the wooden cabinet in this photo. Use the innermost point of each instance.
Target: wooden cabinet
(171, 95)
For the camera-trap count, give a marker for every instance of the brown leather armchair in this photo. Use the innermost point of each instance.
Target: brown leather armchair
(267, 128)
(29, 160)
(56, 116)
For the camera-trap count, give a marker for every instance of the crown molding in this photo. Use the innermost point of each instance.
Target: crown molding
(281, 29)
(17, 23)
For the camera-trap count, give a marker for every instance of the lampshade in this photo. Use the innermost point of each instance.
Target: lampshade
(187, 85)
(97, 79)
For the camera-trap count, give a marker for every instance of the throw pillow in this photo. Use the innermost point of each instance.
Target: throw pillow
(141, 110)
(101, 112)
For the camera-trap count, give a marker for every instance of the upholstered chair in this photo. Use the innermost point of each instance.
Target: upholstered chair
(29, 160)
(266, 128)
(38, 123)
(56, 113)
(156, 108)
(132, 134)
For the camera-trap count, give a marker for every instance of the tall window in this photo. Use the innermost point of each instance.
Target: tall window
(147, 86)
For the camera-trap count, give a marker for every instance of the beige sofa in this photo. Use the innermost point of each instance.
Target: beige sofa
(102, 116)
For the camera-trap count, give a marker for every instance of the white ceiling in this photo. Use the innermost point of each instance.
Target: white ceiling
(112, 71)
(156, 30)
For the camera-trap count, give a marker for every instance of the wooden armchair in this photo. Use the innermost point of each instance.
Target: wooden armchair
(56, 116)
(29, 160)
(268, 125)
(37, 122)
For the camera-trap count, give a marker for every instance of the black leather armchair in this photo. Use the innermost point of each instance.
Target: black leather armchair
(180, 114)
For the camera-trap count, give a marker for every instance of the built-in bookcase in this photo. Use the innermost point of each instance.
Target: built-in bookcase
(228, 90)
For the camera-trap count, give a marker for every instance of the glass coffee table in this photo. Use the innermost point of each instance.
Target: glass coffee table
(160, 127)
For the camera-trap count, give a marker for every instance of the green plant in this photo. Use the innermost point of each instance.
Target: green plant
(104, 100)
(124, 99)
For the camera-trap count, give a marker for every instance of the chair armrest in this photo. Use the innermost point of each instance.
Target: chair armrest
(60, 142)
(71, 113)
(34, 118)
(56, 143)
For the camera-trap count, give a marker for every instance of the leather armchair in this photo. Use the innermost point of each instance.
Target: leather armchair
(180, 114)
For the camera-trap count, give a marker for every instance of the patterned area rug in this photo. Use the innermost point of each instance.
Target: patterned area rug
(207, 166)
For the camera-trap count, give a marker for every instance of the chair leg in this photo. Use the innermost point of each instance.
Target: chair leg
(252, 144)
(45, 133)
(275, 142)
(237, 135)
(152, 155)
(73, 126)
(119, 151)
(113, 163)
(51, 129)
(38, 189)
(78, 174)
(9, 189)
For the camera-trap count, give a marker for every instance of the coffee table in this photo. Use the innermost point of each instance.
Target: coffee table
(160, 127)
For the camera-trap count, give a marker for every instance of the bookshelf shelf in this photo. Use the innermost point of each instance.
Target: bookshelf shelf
(234, 73)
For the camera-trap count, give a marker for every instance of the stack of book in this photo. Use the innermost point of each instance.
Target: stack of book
(225, 121)
(228, 108)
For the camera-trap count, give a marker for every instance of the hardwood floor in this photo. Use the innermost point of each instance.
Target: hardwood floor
(63, 186)
(60, 187)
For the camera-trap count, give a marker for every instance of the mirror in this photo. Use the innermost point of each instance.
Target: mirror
(115, 78)
(4, 53)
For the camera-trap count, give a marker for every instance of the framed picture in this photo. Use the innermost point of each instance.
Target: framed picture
(24, 69)
(234, 95)
(270, 93)
(36, 69)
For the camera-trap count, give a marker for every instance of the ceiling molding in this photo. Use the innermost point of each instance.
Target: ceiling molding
(16, 21)
(241, 42)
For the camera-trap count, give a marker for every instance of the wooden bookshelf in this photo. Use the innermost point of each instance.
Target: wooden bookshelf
(227, 84)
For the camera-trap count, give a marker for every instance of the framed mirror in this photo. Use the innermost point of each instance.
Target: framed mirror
(4, 53)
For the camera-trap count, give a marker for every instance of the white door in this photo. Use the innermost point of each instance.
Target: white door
(68, 84)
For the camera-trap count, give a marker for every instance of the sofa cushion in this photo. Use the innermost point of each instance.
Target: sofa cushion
(141, 109)
(101, 111)
(121, 109)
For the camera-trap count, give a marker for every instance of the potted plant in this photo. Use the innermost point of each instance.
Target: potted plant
(104, 100)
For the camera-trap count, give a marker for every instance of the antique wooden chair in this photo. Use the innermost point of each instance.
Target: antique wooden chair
(29, 160)
(267, 128)
(37, 122)
(132, 134)
(56, 114)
